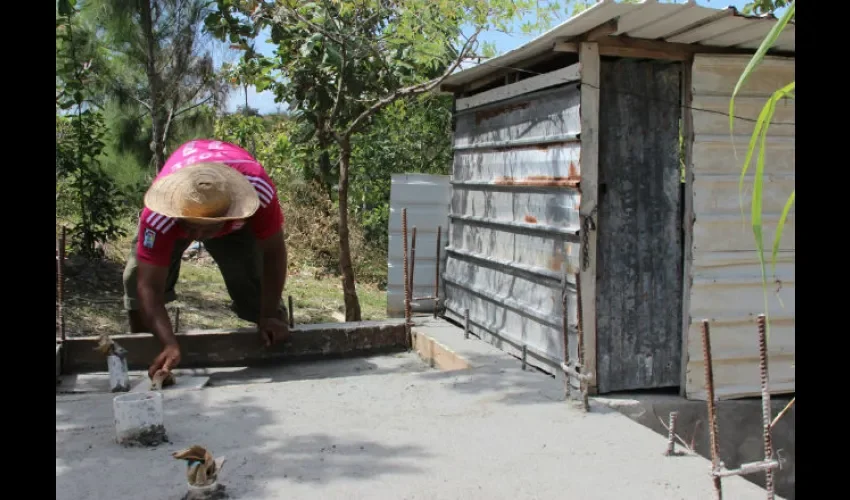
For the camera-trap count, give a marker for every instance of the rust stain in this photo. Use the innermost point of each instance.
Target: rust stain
(480, 116)
(538, 180)
(548, 180)
(556, 261)
(530, 219)
(521, 147)
(573, 172)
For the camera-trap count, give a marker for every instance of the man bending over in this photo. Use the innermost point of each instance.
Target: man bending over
(216, 193)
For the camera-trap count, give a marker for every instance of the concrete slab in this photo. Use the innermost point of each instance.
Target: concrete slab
(90, 382)
(463, 434)
(403, 362)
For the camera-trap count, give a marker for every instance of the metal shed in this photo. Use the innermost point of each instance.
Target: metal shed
(426, 198)
(594, 199)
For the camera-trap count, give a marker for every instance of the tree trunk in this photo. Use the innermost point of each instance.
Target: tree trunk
(352, 303)
(155, 84)
(325, 166)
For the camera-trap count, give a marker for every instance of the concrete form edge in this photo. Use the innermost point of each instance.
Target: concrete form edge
(438, 355)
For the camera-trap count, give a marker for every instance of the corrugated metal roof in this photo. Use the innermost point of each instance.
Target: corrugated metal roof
(687, 23)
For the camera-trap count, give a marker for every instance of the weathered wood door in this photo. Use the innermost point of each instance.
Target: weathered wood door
(639, 250)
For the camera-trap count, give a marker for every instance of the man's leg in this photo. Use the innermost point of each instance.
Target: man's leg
(131, 302)
(240, 260)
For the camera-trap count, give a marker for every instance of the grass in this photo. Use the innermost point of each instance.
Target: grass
(94, 291)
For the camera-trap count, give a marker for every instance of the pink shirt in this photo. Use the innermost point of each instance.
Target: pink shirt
(158, 234)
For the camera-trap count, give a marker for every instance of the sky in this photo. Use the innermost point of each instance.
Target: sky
(265, 104)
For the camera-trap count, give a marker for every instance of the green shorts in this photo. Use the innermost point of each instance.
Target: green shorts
(239, 259)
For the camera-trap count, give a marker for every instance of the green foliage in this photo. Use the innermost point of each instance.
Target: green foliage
(87, 198)
(239, 129)
(338, 63)
(85, 195)
(758, 139)
(158, 71)
(761, 7)
(406, 137)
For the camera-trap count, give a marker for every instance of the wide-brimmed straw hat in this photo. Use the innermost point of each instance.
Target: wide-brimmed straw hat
(203, 193)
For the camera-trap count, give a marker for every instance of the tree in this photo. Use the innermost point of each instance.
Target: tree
(407, 136)
(84, 193)
(157, 61)
(340, 62)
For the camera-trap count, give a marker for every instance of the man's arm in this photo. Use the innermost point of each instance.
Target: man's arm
(274, 274)
(151, 290)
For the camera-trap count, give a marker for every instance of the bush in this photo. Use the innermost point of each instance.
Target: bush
(311, 236)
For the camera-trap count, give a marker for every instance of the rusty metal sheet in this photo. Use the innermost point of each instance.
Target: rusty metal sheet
(513, 240)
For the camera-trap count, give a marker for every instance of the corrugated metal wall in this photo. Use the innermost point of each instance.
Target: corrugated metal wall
(512, 244)
(426, 198)
(726, 275)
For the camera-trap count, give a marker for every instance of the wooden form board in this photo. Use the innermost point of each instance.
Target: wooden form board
(208, 348)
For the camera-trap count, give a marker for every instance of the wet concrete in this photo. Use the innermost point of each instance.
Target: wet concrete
(388, 430)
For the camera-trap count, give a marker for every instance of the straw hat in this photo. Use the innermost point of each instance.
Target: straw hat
(203, 193)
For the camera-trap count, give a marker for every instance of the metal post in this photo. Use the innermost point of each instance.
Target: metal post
(176, 320)
(765, 405)
(671, 434)
(565, 328)
(524, 356)
(406, 276)
(60, 282)
(466, 323)
(437, 274)
(291, 312)
(580, 347)
(412, 259)
(712, 411)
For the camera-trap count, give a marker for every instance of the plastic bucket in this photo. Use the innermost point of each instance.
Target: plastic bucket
(139, 419)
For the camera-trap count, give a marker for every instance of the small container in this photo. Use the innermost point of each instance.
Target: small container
(210, 491)
(119, 375)
(139, 419)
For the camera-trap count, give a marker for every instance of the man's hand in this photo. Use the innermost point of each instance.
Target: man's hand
(273, 330)
(167, 359)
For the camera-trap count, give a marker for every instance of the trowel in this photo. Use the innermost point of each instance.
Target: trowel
(164, 380)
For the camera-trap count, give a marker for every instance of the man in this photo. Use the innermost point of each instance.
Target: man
(216, 193)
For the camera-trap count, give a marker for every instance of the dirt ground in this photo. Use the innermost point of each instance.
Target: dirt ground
(94, 291)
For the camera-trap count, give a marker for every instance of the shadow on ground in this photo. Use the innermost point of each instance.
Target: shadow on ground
(318, 370)
(250, 432)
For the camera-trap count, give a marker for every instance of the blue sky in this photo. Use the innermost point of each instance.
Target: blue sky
(264, 101)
